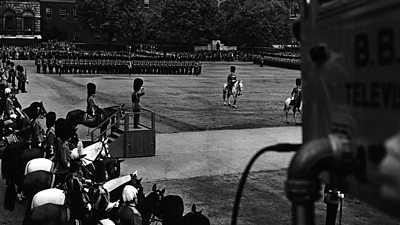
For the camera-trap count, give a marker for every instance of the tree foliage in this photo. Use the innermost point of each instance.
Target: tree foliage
(189, 22)
(255, 22)
(101, 16)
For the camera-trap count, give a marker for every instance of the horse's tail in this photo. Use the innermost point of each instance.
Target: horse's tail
(223, 93)
(284, 107)
(6, 162)
(26, 167)
(10, 197)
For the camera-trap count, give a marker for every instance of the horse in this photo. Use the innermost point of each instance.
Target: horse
(90, 153)
(149, 207)
(77, 117)
(36, 181)
(21, 129)
(50, 213)
(236, 91)
(116, 186)
(35, 108)
(15, 157)
(103, 170)
(294, 105)
(100, 200)
(168, 209)
(73, 196)
(171, 209)
(194, 218)
(51, 195)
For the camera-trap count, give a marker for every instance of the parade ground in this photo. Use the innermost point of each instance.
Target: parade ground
(201, 146)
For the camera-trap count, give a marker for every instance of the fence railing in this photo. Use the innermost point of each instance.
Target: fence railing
(115, 121)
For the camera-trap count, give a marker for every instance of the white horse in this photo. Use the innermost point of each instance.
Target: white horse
(288, 106)
(236, 91)
(90, 152)
(51, 195)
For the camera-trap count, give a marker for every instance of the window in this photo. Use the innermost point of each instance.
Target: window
(27, 21)
(49, 12)
(294, 10)
(9, 20)
(63, 13)
(146, 3)
(74, 13)
(75, 35)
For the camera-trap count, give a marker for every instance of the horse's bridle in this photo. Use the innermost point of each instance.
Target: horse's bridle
(103, 148)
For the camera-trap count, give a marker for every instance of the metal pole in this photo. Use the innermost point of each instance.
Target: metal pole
(153, 121)
(126, 131)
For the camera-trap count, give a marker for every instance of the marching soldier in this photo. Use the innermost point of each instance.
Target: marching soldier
(52, 64)
(38, 64)
(44, 65)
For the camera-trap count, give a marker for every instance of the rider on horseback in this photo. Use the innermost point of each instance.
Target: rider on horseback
(9, 112)
(231, 78)
(93, 111)
(296, 94)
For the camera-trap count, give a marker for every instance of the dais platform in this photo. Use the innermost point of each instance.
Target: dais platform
(125, 141)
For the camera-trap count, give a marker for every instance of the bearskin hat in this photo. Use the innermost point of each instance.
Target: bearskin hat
(50, 119)
(20, 68)
(137, 84)
(91, 88)
(298, 81)
(64, 129)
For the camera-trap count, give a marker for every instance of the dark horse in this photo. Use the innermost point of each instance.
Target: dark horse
(75, 212)
(23, 123)
(169, 208)
(39, 180)
(77, 116)
(16, 156)
(21, 129)
(195, 218)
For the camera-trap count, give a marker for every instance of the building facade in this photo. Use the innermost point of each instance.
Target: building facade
(20, 19)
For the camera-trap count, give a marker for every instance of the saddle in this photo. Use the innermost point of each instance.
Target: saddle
(88, 118)
(97, 118)
(295, 102)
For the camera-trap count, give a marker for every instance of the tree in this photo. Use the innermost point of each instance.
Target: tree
(255, 22)
(102, 16)
(187, 21)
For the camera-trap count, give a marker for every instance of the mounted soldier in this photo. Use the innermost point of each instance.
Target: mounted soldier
(9, 111)
(296, 94)
(231, 79)
(93, 111)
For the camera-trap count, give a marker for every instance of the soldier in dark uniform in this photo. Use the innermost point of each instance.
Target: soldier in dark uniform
(38, 63)
(296, 94)
(57, 66)
(138, 92)
(231, 79)
(52, 64)
(94, 112)
(44, 65)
